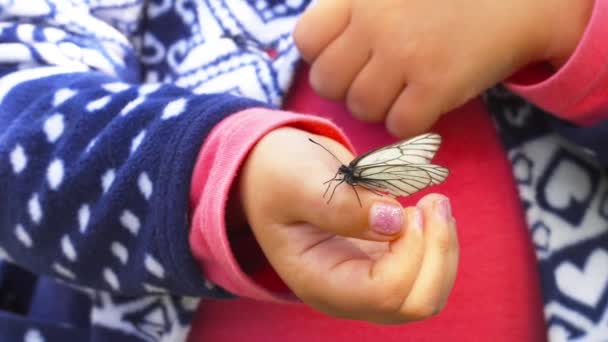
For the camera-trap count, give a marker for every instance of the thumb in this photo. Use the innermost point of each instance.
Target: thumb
(351, 210)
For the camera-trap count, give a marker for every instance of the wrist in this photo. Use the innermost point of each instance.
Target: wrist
(570, 19)
(235, 216)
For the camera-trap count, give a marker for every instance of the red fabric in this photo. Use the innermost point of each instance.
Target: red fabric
(497, 292)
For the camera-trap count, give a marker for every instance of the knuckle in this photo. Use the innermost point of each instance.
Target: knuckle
(356, 105)
(359, 101)
(323, 82)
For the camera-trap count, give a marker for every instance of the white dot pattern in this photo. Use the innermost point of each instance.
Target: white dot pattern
(130, 222)
(84, 215)
(98, 104)
(34, 209)
(23, 236)
(132, 105)
(53, 127)
(154, 267)
(174, 108)
(33, 335)
(91, 145)
(54, 174)
(149, 88)
(18, 159)
(116, 87)
(67, 247)
(63, 271)
(145, 185)
(4, 255)
(137, 141)
(63, 95)
(120, 251)
(107, 179)
(110, 277)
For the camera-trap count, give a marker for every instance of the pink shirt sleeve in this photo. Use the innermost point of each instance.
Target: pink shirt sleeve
(578, 91)
(216, 169)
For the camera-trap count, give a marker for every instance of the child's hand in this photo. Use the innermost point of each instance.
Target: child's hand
(330, 255)
(408, 61)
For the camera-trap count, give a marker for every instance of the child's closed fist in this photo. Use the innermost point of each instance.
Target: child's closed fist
(409, 61)
(376, 262)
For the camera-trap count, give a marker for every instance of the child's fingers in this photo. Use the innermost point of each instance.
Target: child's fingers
(452, 268)
(351, 211)
(337, 66)
(425, 298)
(393, 274)
(334, 207)
(295, 187)
(374, 89)
(376, 218)
(366, 289)
(319, 26)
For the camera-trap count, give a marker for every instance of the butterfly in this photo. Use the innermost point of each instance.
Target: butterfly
(400, 169)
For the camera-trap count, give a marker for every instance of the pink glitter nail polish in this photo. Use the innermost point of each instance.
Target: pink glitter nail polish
(386, 219)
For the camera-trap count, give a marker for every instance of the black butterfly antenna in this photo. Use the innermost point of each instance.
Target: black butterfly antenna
(325, 148)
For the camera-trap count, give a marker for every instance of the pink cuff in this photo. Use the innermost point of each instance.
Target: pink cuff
(216, 169)
(579, 90)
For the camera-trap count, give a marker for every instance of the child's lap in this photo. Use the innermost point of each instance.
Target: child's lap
(497, 294)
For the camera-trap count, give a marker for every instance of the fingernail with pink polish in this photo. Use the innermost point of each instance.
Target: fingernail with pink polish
(443, 209)
(386, 219)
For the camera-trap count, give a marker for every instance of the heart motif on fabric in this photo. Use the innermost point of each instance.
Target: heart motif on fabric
(584, 285)
(568, 183)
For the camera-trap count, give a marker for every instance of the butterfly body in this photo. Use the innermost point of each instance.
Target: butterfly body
(399, 169)
(348, 174)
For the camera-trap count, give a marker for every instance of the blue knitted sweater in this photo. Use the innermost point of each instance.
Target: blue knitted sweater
(104, 106)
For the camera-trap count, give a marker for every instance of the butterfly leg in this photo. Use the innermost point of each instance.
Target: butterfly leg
(329, 181)
(327, 189)
(334, 178)
(334, 191)
(356, 193)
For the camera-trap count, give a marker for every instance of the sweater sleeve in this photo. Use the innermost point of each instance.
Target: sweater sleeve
(578, 91)
(95, 170)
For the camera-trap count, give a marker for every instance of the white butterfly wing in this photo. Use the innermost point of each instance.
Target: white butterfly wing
(403, 185)
(437, 173)
(401, 169)
(417, 150)
(402, 180)
(434, 173)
